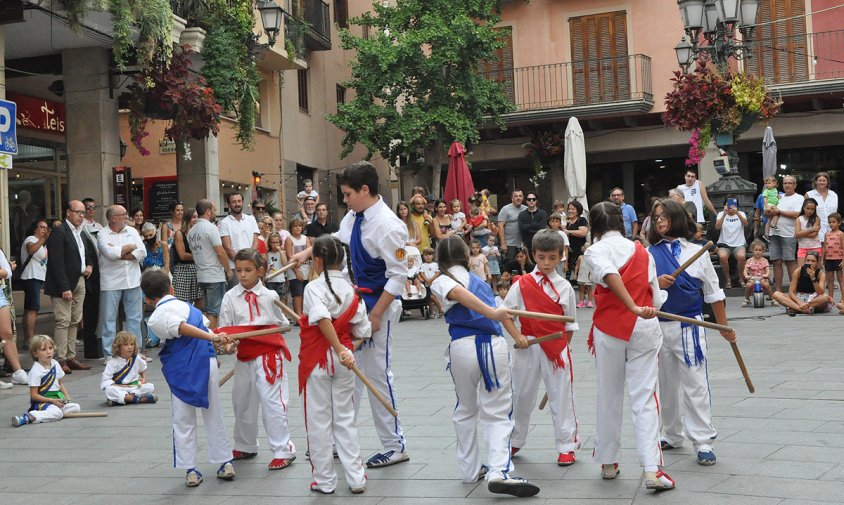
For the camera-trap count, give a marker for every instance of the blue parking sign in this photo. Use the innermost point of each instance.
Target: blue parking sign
(8, 131)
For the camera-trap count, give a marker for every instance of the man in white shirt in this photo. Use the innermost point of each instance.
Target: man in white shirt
(783, 239)
(89, 223)
(694, 191)
(209, 255)
(121, 250)
(238, 230)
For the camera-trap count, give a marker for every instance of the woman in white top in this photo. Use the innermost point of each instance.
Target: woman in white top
(731, 241)
(694, 191)
(34, 273)
(827, 200)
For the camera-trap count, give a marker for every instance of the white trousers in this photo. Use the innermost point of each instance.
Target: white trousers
(329, 420)
(184, 427)
(674, 375)
(374, 361)
(53, 413)
(118, 393)
(250, 392)
(492, 409)
(529, 365)
(635, 362)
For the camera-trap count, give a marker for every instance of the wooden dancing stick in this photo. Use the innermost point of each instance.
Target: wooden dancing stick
(226, 378)
(374, 391)
(546, 338)
(742, 367)
(279, 271)
(257, 333)
(544, 402)
(287, 310)
(540, 315)
(704, 250)
(691, 320)
(85, 414)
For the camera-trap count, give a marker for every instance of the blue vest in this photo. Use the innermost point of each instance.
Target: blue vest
(185, 363)
(464, 322)
(370, 273)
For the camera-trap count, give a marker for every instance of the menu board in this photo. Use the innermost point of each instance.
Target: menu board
(160, 193)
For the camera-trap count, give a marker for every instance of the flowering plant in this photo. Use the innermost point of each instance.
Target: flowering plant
(545, 146)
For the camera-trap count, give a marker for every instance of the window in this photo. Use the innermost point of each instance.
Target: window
(341, 13)
(501, 70)
(341, 96)
(780, 50)
(600, 68)
(364, 29)
(302, 76)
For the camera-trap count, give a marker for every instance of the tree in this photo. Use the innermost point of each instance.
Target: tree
(419, 79)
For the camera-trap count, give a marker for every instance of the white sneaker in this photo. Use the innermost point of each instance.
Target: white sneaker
(19, 377)
(5, 385)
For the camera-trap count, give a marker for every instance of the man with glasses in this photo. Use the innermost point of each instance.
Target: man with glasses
(531, 220)
(308, 211)
(89, 223)
(510, 237)
(783, 239)
(259, 210)
(67, 269)
(628, 213)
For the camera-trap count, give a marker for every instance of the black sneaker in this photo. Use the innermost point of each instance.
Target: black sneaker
(514, 486)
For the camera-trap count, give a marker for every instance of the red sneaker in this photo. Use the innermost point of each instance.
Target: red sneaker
(280, 464)
(565, 458)
(236, 455)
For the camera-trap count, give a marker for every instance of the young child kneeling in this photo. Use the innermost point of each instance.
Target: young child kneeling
(125, 375)
(49, 399)
(189, 363)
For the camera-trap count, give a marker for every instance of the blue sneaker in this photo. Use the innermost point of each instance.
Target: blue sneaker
(193, 478)
(226, 471)
(381, 459)
(706, 458)
(18, 421)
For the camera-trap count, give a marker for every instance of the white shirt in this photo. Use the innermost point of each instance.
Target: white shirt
(732, 231)
(92, 226)
(234, 311)
(383, 236)
(203, 237)
(38, 371)
(319, 303)
(701, 269)
(824, 209)
(429, 270)
(77, 234)
(241, 232)
(274, 264)
(37, 267)
(785, 225)
(167, 317)
(808, 242)
(692, 194)
(116, 273)
(115, 364)
(443, 285)
(611, 253)
(4, 264)
(567, 298)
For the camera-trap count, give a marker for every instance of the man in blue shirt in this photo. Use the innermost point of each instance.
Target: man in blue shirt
(628, 213)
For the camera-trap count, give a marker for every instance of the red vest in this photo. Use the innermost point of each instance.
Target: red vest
(272, 347)
(537, 300)
(611, 316)
(313, 348)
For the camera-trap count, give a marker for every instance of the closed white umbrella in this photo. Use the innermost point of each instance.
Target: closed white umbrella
(575, 162)
(769, 153)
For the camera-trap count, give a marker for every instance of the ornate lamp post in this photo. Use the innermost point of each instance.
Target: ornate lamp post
(271, 16)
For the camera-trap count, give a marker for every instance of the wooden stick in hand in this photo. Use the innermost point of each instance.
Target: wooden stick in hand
(85, 414)
(688, 262)
(280, 271)
(691, 320)
(546, 338)
(540, 315)
(742, 367)
(374, 391)
(287, 310)
(257, 333)
(226, 378)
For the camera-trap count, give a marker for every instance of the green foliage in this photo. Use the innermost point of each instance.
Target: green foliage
(419, 78)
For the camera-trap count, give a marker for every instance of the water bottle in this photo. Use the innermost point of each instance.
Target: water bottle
(758, 294)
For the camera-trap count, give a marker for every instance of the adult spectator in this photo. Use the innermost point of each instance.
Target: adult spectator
(806, 292)
(532, 219)
(731, 242)
(90, 223)
(441, 225)
(158, 253)
(321, 225)
(413, 233)
(509, 236)
(209, 256)
(827, 201)
(307, 213)
(783, 246)
(520, 265)
(34, 257)
(65, 283)
(420, 215)
(138, 219)
(238, 230)
(185, 286)
(7, 335)
(628, 213)
(174, 224)
(259, 209)
(121, 251)
(577, 229)
(695, 192)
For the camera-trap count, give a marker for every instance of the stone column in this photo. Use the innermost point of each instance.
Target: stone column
(4, 174)
(199, 177)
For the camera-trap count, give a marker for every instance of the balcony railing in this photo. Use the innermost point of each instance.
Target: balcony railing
(318, 18)
(806, 58)
(624, 81)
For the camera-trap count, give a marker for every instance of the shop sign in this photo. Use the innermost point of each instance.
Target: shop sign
(160, 193)
(166, 147)
(39, 114)
(121, 178)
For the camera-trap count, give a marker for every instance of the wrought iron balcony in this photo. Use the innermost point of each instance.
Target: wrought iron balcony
(308, 25)
(800, 64)
(587, 87)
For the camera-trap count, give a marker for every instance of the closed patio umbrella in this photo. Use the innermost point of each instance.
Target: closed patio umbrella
(458, 183)
(769, 153)
(575, 162)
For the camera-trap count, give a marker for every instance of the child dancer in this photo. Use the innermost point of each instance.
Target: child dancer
(544, 290)
(189, 364)
(757, 268)
(833, 254)
(333, 316)
(477, 262)
(625, 339)
(49, 399)
(478, 356)
(259, 378)
(125, 376)
(584, 284)
(429, 272)
(682, 358)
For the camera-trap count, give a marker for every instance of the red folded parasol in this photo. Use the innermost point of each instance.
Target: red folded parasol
(458, 183)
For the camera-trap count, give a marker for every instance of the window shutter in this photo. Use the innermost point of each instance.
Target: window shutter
(600, 69)
(302, 80)
(501, 70)
(780, 51)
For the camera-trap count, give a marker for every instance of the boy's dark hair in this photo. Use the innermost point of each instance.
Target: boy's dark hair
(87, 200)
(359, 175)
(428, 250)
(682, 224)
(202, 206)
(155, 284)
(503, 284)
(604, 217)
(249, 254)
(548, 240)
(834, 215)
(452, 251)
(330, 250)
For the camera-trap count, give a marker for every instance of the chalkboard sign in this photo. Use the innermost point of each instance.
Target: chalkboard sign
(160, 193)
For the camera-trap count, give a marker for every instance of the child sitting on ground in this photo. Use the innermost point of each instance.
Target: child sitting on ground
(413, 285)
(757, 268)
(125, 375)
(49, 399)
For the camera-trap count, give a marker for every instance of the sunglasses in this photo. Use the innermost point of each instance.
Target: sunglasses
(530, 199)
(260, 208)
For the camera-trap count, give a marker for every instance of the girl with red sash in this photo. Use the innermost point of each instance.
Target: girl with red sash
(332, 315)
(544, 290)
(625, 339)
(260, 381)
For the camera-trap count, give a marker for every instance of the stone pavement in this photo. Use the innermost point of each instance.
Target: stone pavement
(782, 445)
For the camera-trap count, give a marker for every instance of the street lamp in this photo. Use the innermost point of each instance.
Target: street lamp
(710, 27)
(271, 15)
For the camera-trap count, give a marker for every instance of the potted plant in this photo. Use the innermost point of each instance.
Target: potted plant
(543, 148)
